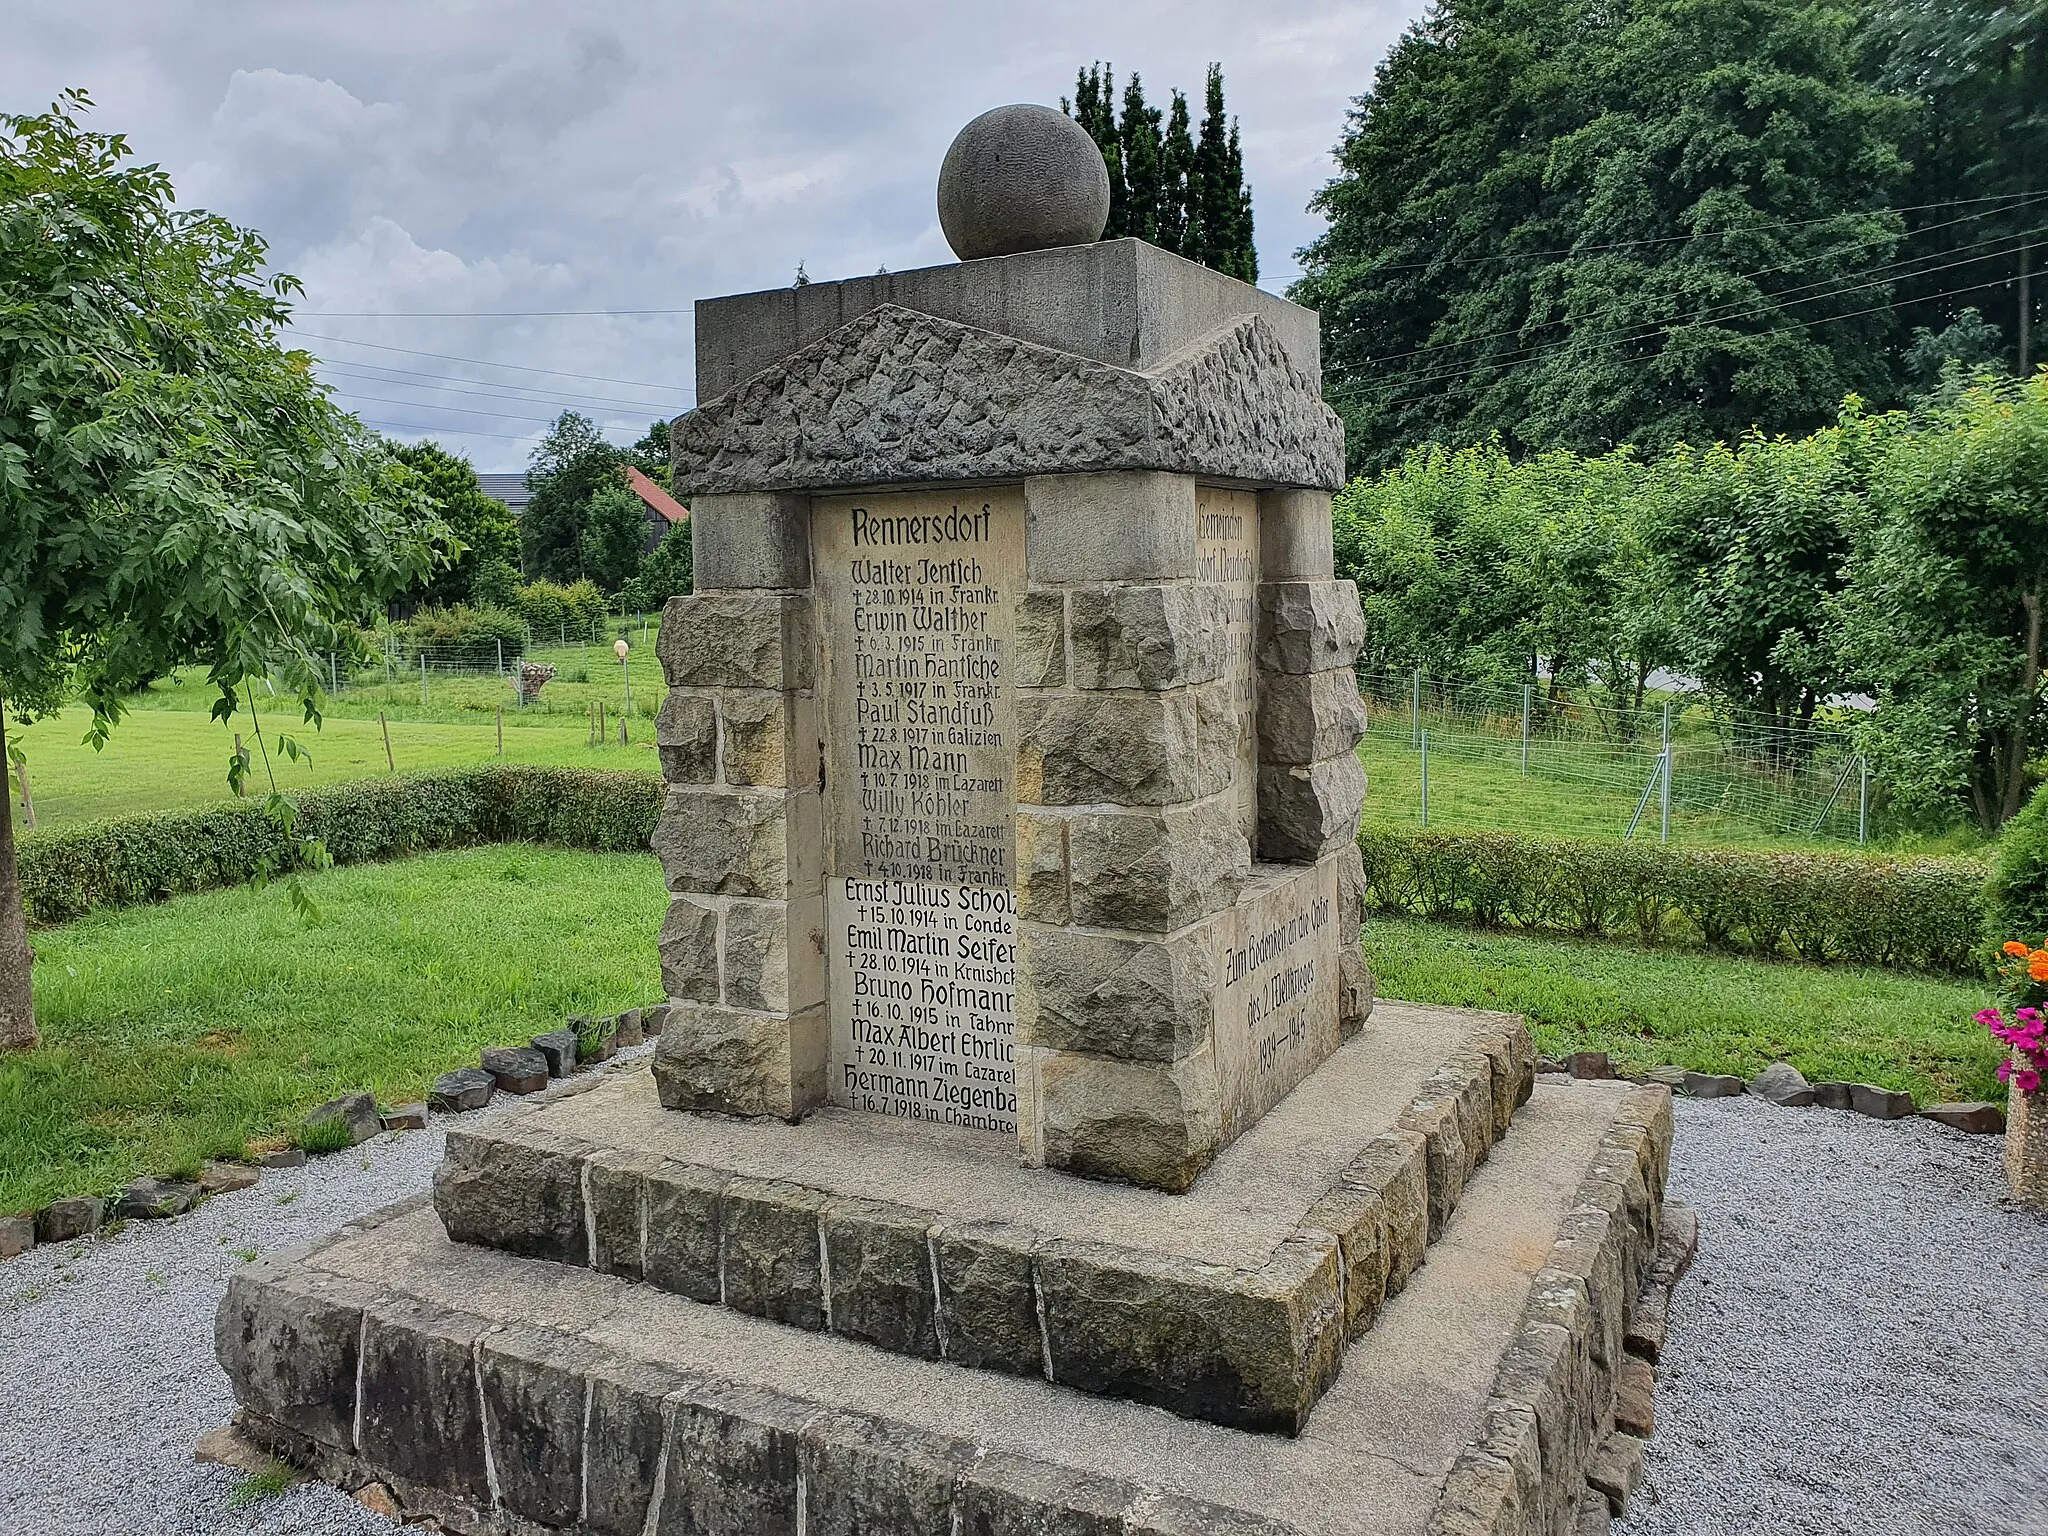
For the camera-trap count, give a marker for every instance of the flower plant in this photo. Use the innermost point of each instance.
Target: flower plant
(2023, 971)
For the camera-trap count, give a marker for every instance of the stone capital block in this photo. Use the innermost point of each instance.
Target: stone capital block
(738, 640)
(1131, 748)
(1305, 811)
(733, 1062)
(1309, 626)
(1153, 1123)
(1155, 871)
(1137, 999)
(1295, 536)
(1042, 886)
(751, 540)
(1133, 525)
(769, 739)
(745, 842)
(1147, 636)
(1306, 717)
(688, 948)
(773, 955)
(1041, 640)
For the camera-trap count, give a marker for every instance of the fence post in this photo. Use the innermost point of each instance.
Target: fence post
(385, 726)
(1862, 799)
(1525, 730)
(1415, 712)
(1664, 805)
(1423, 737)
(501, 730)
(333, 675)
(423, 679)
(501, 658)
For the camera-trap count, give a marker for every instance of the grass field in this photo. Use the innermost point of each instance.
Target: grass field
(1711, 1013)
(162, 759)
(184, 1031)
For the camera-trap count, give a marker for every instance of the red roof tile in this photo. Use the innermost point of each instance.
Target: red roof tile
(656, 497)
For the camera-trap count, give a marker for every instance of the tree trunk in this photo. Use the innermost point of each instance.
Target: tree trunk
(2013, 791)
(17, 1000)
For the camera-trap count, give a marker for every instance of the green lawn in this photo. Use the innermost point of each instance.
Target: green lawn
(183, 1031)
(164, 759)
(1708, 1012)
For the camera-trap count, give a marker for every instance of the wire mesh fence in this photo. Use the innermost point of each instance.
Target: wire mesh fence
(1636, 768)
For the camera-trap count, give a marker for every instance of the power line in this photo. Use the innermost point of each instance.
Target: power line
(1735, 277)
(481, 314)
(371, 374)
(457, 410)
(1703, 234)
(401, 426)
(1709, 317)
(446, 357)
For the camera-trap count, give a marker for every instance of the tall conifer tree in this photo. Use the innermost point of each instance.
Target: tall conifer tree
(1138, 135)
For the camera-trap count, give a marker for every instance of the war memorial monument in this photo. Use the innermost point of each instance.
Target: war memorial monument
(1024, 1152)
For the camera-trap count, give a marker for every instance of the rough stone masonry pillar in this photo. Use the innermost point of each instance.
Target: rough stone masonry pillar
(1010, 734)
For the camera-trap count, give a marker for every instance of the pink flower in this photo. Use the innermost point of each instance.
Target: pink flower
(1990, 1018)
(2026, 1080)
(2005, 1070)
(2030, 1016)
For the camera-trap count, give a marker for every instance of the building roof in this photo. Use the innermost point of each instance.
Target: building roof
(655, 497)
(510, 489)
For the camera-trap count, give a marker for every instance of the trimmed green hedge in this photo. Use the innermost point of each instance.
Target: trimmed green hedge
(1910, 914)
(145, 858)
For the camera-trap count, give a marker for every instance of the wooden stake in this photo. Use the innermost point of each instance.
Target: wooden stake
(622, 732)
(28, 801)
(501, 730)
(389, 761)
(600, 723)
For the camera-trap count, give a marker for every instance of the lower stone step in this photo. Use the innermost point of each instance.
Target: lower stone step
(1231, 1303)
(505, 1394)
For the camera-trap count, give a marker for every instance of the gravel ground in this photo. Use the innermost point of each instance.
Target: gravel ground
(1858, 1348)
(106, 1355)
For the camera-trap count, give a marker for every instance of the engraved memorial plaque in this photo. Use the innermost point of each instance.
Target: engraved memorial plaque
(916, 595)
(1227, 557)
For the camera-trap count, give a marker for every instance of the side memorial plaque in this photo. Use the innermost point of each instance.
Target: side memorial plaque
(916, 597)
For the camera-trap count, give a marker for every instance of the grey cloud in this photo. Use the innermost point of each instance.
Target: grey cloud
(544, 155)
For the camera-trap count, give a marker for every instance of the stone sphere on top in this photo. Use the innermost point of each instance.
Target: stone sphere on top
(1022, 178)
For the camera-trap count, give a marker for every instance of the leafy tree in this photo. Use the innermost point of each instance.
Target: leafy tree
(664, 574)
(1165, 187)
(651, 452)
(1967, 344)
(614, 535)
(570, 465)
(1977, 71)
(484, 525)
(174, 485)
(1942, 614)
(1588, 224)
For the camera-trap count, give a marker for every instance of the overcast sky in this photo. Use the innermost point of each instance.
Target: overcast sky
(437, 173)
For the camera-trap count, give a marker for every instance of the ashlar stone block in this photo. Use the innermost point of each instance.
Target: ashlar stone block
(773, 1255)
(738, 640)
(688, 949)
(882, 1267)
(769, 739)
(420, 1415)
(1153, 1123)
(523, 1197)
(1147, 636)
(773, 960)
(686, 737)
(1295, 535)
(1126, 748)
(751, 540)
(1309, 626)
(1155, 871)
(763, 843)
(1307, 810)
(289, 1345)
(1122, 526)
(1135, 999)
(732, 1062)
(1041, 655)
(1042, 885)
(1306, 717)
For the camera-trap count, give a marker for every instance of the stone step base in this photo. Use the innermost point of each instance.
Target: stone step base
(1231, 1303)
(505, 1394)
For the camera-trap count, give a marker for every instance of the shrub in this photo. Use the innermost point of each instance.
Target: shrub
(1912, 914)
(2016, 896)
(145, 858)
(557, 613)
(446, 628)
